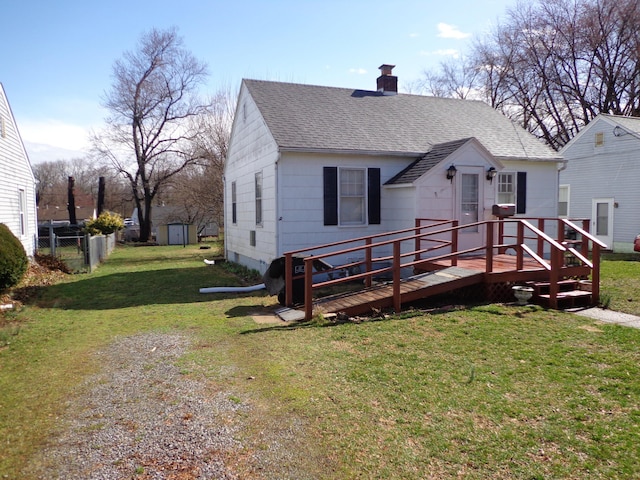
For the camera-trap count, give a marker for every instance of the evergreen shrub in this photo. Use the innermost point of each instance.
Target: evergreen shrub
(13, 259)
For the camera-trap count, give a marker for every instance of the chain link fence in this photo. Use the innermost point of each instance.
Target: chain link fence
(80, 252)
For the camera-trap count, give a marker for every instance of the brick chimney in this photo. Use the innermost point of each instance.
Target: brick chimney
(387, 83)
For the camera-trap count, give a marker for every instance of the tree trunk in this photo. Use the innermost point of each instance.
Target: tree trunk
(100, 195)
(71, 201)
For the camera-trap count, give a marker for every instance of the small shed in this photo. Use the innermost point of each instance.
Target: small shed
(177, 234)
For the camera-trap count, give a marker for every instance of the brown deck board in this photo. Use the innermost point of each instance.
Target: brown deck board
(418, 286)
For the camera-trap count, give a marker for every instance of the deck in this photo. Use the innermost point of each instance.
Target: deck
(533, 258)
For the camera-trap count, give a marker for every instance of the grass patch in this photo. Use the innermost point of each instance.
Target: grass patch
(490, 391)
(620, 282)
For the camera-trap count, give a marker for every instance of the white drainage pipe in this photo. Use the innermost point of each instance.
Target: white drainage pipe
(252, 288)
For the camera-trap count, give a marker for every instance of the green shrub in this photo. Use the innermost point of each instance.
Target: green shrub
(13, 259)
(106, 223)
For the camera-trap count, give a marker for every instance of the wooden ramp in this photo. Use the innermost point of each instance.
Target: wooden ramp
(411, 289)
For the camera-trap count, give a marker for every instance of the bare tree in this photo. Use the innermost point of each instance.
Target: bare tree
(553, 65)
(152, 132)
(198, 191)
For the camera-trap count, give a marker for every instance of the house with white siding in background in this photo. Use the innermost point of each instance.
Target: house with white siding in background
(602, 178)
(309, 165)
(17, 183)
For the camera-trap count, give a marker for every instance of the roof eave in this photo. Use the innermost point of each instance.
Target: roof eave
(530, 159)
(341, 151)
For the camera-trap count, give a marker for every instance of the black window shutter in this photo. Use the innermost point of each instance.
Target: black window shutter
(521, 189)
(373, 185)
(330, 178)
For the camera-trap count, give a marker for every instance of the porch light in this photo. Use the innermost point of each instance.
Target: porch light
(451, 172)
(491, 173)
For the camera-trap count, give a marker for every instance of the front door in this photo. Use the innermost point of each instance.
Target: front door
(469, 207)
(602, 220)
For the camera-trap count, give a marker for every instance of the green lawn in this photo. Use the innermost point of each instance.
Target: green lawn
(490, 391)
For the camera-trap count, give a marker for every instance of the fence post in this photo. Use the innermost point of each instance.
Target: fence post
(52, 241)
(87, 251)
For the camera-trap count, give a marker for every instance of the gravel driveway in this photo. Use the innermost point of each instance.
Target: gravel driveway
(141, 418)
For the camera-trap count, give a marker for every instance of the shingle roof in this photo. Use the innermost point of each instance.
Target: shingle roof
(426, 162)
(316, 118)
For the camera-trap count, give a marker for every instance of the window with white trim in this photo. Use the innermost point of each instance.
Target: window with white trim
(506, 187)
(234, 204)
(352, 195)
(563, 201)
(258, 191)
(22, 204)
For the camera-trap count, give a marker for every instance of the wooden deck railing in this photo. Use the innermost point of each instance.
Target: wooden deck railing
(423, 243)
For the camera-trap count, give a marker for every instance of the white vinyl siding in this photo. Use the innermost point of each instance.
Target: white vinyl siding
(17, 183)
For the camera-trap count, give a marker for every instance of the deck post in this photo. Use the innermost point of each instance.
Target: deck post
(418, 240)
(501, 235)
(454, 242)
(595, 274)
(520, 241)
(308, 289)
(368, 264)
(397, 302)
(585, 242)
(540, 246)
(553, 277)
(288, 280)
(489, 246)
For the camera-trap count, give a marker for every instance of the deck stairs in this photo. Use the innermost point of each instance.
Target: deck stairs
(572, 293)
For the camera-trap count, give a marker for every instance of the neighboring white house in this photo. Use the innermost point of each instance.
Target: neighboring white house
(309, 165)
(17, 183)
(602, 179)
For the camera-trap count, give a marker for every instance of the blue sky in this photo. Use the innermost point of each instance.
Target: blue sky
(57, 56)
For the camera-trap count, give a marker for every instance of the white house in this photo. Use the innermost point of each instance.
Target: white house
(309, 165)
(17, 183)
(602, 179)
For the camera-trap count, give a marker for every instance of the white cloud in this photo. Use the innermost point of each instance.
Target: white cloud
(358, 71)
(54, 133)
(39, 153)
(450, 31)
(414, 35)
(445, 52)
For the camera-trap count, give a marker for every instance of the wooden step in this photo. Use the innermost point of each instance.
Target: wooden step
(568, 299)
(540, 288)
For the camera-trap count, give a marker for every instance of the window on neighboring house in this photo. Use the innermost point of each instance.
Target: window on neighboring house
(22, 205)
(234, 205)
(563, 201)
(259, 198)
(599, 139)
(512, 188)
(351, 196)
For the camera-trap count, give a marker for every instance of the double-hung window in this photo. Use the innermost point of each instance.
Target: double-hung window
(22, 205)
(512, 188)
(351, 196)
(258, 192)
